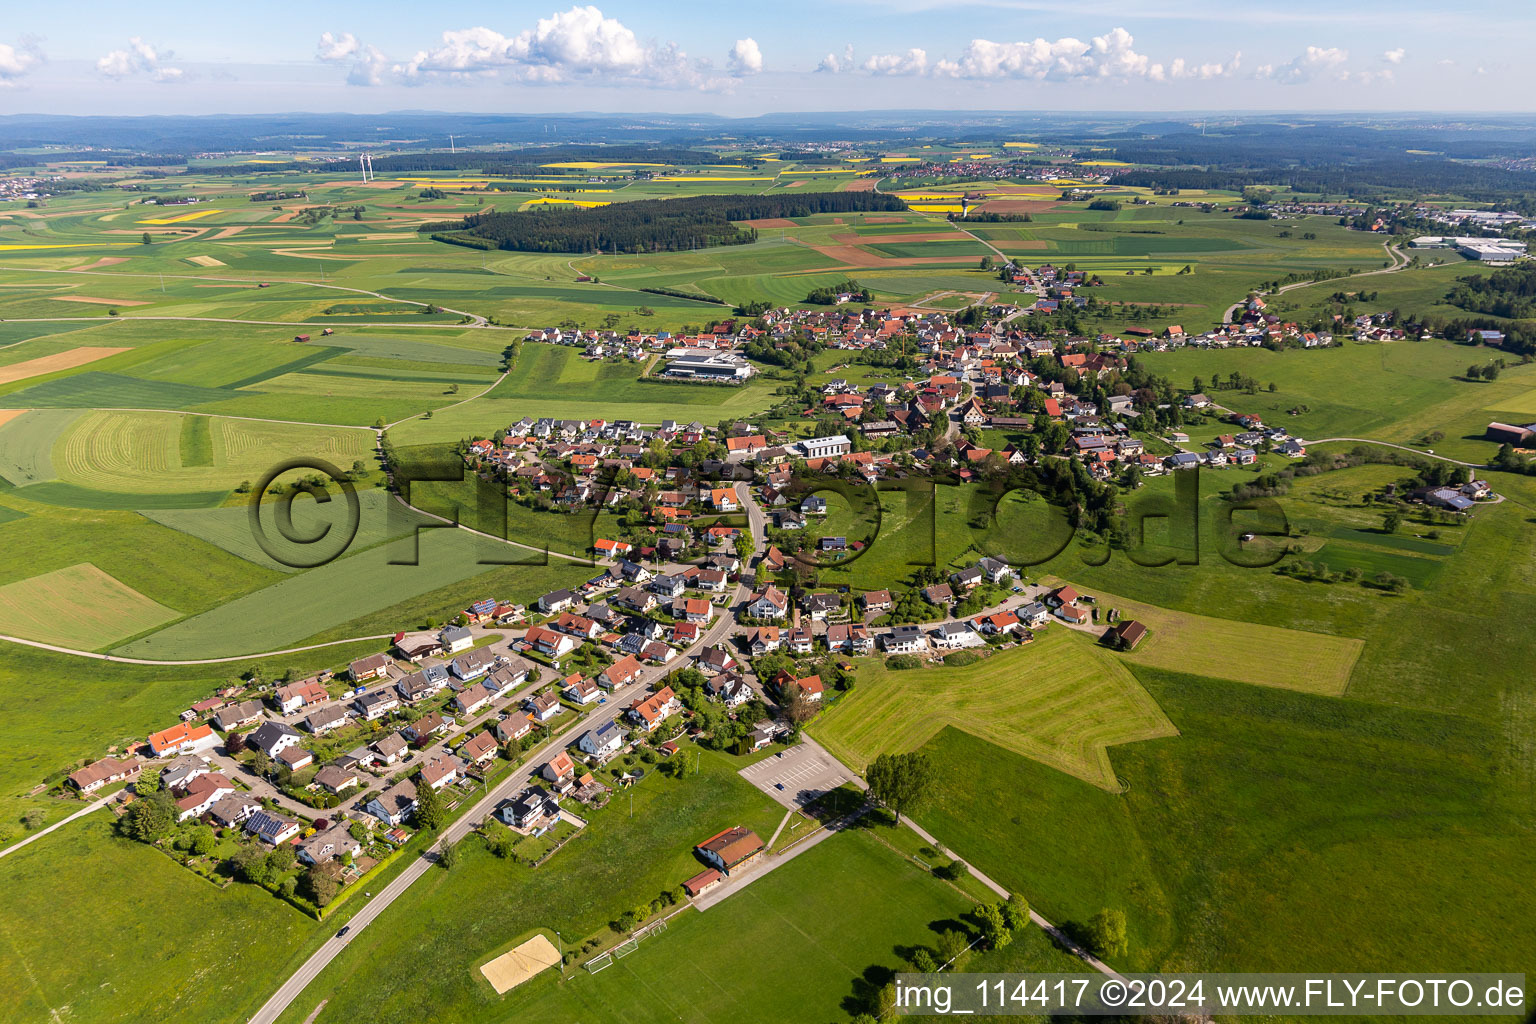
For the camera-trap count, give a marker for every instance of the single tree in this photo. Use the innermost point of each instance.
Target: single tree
(900, 780)
(994, 926)
(1016, 912)
(429, 808)
(1106, 933)
(149, 818)
(145, 238)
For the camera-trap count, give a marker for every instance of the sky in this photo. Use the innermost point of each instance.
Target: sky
(177, 57)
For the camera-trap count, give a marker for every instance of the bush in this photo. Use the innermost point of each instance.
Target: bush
(959, 658)
(898, 662)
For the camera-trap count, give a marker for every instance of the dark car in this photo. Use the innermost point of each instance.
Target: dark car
(344, 929)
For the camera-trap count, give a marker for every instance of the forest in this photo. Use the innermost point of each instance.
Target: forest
(1508, 292)
(646, 225)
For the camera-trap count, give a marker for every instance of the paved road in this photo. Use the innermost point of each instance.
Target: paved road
(58, 824)
(1399, 262)
(1401, 447)
(617, 701)
(1046, 926)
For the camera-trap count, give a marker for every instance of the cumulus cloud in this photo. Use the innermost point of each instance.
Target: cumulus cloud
(336, 48)
(139, 58)
(1394, 56)
(17, 61)
(369, 65)
(745, 58)
(1317, 62)
(1109, 56)
(834, 64)
(913, 62)
(581, 43)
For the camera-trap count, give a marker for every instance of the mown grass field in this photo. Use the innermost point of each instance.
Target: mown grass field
(1059, 701)
(77, 603)
(296, 608)
(40, 951)
(1249, 652)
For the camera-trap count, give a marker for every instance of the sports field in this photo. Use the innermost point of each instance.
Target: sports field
(79, 606)
(1060, 701)
(520, 963)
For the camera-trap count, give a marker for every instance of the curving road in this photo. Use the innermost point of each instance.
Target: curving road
(1402, 447)
(1399, 262)
(291, 989)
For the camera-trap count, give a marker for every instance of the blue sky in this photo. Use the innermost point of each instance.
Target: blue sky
(179, 57)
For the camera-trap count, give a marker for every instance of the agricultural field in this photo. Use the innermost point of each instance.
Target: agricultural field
(77, 603)
(307, 603)
(1278, 747)
(1058, 701)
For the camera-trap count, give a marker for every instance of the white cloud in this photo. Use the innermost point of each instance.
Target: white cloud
(336, 48)
(1317, 62)
(1394, 56)
(575, 44)
(834, 64)
(369, 65)
(745, 58)
(913, 62)
(17, 61)
(1110, 56)
(139, 58)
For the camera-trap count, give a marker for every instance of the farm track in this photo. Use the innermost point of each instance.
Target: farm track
(1399, 262)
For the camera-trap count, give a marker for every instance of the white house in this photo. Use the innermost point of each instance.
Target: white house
(604, 741)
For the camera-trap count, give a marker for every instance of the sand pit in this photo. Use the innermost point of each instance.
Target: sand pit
(105, 261)
(98, 302)
(517, 965)
(205, 261)
(6, 415)
(51, 364)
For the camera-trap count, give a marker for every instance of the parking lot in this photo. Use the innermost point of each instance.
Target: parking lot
(798, 775)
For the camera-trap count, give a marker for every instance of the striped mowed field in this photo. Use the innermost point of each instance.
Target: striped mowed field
(141, 452)
(1061, 701)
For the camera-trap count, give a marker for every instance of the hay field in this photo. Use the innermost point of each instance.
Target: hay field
(79, 606)
(140, 452)
(1061, 701)
(1246, 652)
(54, 363)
